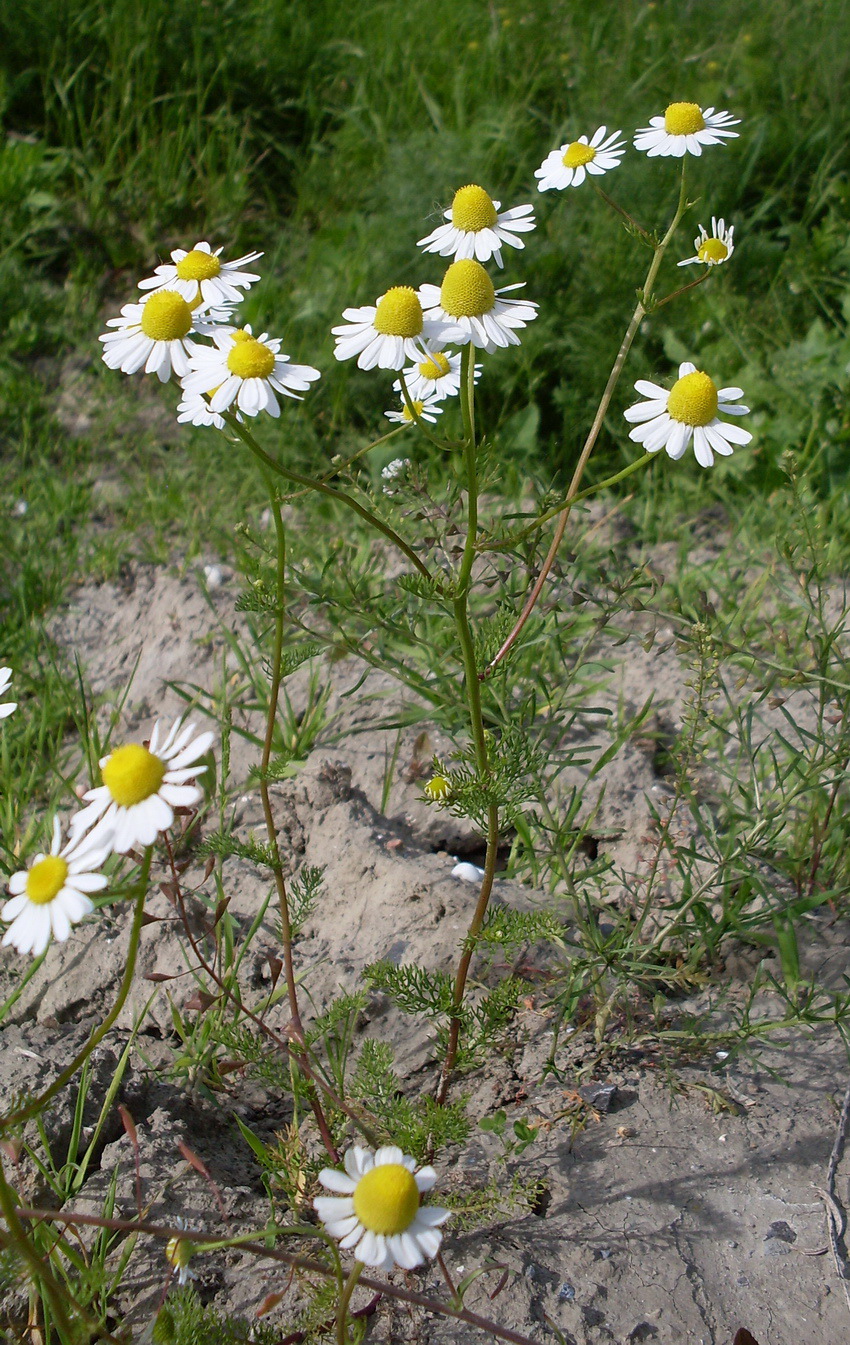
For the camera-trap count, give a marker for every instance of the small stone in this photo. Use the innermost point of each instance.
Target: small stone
(598, 1095)
(781, 1230)
(213, 576)
(468, 873)
(566, 1293)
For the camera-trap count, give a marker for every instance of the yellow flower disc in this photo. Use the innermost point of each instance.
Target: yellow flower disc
(578, 155)
(693, 400)
(472, 210)
(198, 265)
(249, 358)
(683, 119)
(46, 879)
(132, 774)
(712, 250)
(437, 367)
(166, 316)
(399, 313)
(240, 335)
(386, 1199)
(438, 788)
(405, 410)
(467, 290)
(178, 1252)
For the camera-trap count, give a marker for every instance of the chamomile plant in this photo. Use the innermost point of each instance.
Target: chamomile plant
(451, 625)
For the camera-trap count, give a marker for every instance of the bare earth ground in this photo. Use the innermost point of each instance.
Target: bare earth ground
(660, 1221)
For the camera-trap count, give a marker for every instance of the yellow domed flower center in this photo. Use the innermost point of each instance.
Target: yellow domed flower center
(712, 250)
(46, 879)
(166, 316)
(437, 788)
(178, 1252)
(437, 367)
(467, 290)
(386, 1199)
(240, 335)
(578, 155)
(693, 400)
(132, 774)
(472, 210)
(683, 119)
(399, 312)
(406, 412)
(198, 265)
(249, 358)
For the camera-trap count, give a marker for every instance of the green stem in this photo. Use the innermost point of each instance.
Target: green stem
(582, 495)
(644, 305)
(271, 830)
(314, 483)
(36, 1106)
(442, 444)
(345, 1299)
(473, 694)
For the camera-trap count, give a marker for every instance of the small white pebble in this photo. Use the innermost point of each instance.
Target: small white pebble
(468, 873)
(20, 508)
(213, 576)
(721, 1055)
(722, 1139)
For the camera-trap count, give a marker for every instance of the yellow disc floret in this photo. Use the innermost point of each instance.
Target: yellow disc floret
(46, 879)
(399, 312)
(132, 774)
(166, 316)
(406, 412)
(712, 251)
(178, 1252)
(437, 367)
(386, 1199)
(249, 358)
(198, 265)
(438, 788)
(577, 155)
(472, 209)
(683, 119)
(693, 400)
(467, 290)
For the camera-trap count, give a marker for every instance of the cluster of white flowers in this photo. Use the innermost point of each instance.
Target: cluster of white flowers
(194, 296)
(142, 785)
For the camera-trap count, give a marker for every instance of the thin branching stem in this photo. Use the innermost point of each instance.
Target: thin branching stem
(644, 306)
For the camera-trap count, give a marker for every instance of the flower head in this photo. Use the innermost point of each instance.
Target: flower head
(426, 408)
(143, 785)
(51, 895)
(438, 376)
(6, 707)
(467, 298)
(153, 334)
(245, 371)
(476, 228)
(178, 1253)
(684, 129)
(712, 249)
(391, 331)
(202, 277)
(194, 409)
(689, 409)
(438, 789)
(569, 165)
(378, 1210)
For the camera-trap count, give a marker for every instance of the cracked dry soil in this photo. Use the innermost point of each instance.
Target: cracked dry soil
(660, 1221)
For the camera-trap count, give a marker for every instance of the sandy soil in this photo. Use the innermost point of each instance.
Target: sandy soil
(660, 1221)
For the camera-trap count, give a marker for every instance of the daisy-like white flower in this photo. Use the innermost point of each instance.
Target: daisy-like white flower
(153, 334)
(712, 248)
(6, 707)
(389, 332)
(669, 418)
(195, 409)
(438, 376)
(246, 371)
(378, 1210)
(178, 1253)
(684, 129)
(202, 277)
(394, 469)
(51, 895)
(476, 228)
(426, 408)
(569, 165)
(467, 298)
(143, 785)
